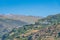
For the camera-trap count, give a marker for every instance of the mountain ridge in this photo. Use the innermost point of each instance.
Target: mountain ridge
(28, 19)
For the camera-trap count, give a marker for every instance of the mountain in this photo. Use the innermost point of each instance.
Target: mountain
(47, 28)
(6, 25)
(11, 21)
(28, 19)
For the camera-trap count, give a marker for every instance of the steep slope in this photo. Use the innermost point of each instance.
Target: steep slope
(11, 21)
(6, 25)
(45, 29)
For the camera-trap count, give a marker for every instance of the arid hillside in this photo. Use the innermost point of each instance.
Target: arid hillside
(28, 19)
(9, 22)
(47, 28)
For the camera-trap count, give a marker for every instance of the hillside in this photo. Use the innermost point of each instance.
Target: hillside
(9, 22)
(24, 18)
(6, 25)
(47, 28)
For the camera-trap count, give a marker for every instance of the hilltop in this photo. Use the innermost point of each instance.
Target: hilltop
(24, 18)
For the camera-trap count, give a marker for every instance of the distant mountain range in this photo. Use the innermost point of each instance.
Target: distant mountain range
(24, 18)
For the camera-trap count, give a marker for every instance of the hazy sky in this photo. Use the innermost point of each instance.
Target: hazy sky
(30, 7)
